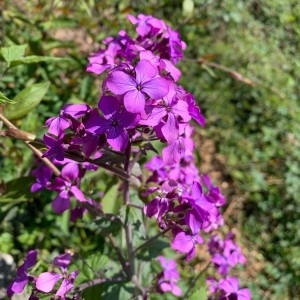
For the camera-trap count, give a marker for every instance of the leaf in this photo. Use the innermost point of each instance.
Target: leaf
(17, 190)
(199, 295)
(4, 99)
(36, 59)
(188, 7)
(110, 203)
(91, 266)
(59, 23)
(26, 100)
(109, 223)
(12, 53)
(152, 250)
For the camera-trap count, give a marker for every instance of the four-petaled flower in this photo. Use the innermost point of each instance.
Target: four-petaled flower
(66, 184)
(136, 89)
(47, 280)
(114, 123)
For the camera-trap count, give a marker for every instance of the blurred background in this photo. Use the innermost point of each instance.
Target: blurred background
(242, 63)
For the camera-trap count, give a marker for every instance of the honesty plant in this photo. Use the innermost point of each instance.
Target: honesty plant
(141, 106)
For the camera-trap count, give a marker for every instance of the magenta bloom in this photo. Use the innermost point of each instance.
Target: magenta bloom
(230, 286)
(43, 175)
(167, 111)
(114, 123)
(167, 280)
(56, 148)
(186, 242)
(57, 125)
(18, 285)
(67, 187)
(47, 280)
(135, 90)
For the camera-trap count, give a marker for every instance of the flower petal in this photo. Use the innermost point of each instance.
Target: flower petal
(134, 101)
(145, 71)
(118, 138)
(109, 105)
(77, 193)
(19, 283)
(156, 88)
(70, 171)
(183, 242)
(61, 203)
(120, 83)
(46, 281)
(170, 129)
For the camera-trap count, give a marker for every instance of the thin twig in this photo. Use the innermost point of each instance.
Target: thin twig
(36, 151)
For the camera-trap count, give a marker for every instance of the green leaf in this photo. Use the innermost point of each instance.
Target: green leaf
(36, 59)
(199, 295)
(110, 203)
(26, 100)
(17, 190)
(109, 223)
(187, 7)
(152, 250)
(12, 53)
(4, 99)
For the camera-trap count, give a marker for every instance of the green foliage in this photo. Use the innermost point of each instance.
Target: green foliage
(199, 295)
(26, 100)
(4, 99)
(13, 53)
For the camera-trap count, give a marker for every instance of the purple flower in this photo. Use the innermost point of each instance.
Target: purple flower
(47, 280)
(57, 125)
(114, 123)
(43, 175)
(56, 148)
(162, 64)
(135, 90)
(18, 285)
(67, 187)
(199, 202)
(147, 24)
(230, 286)
(167, 280)
(185, 242)
(168, 111)
(225, 253)
(76, 110)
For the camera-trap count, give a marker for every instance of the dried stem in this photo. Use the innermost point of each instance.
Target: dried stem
(36, 151)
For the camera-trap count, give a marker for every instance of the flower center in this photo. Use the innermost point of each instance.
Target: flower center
(114, 123)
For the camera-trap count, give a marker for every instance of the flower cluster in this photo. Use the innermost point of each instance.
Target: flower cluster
(46, 281)
(227, 288)
(225, 254)
(168, 278)
(141, 102)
